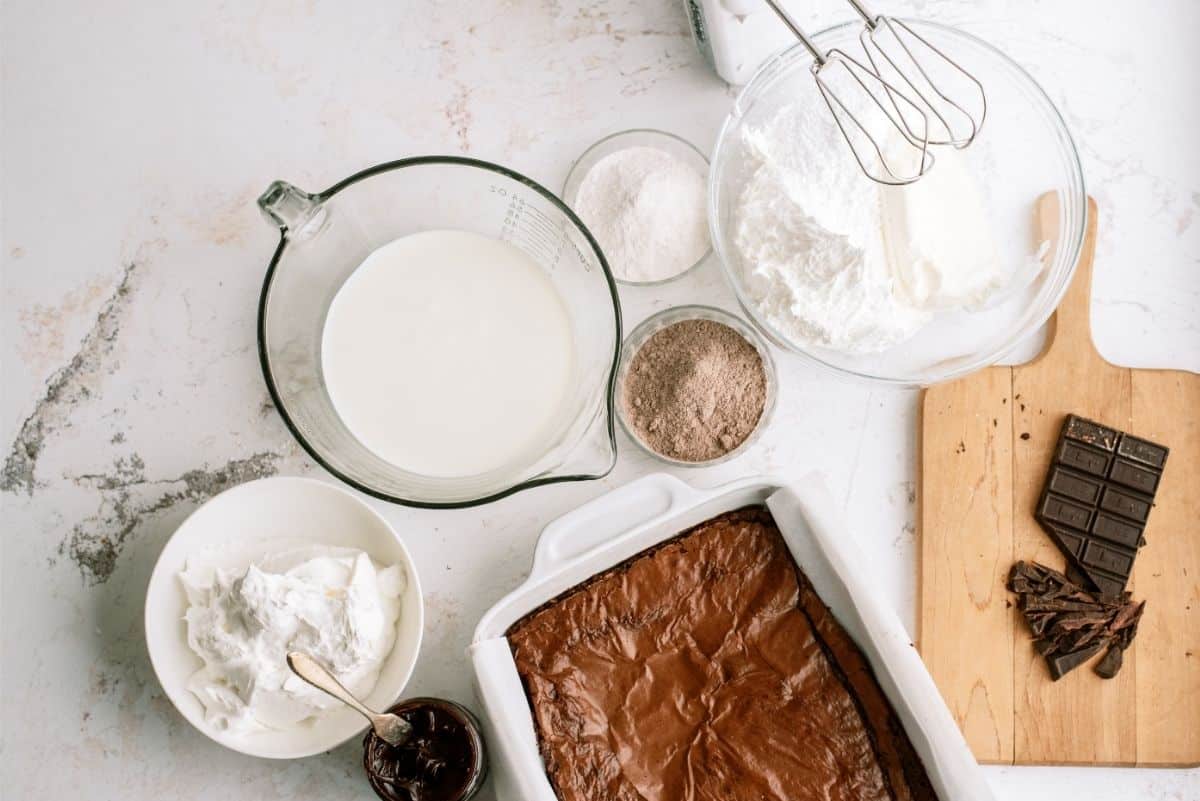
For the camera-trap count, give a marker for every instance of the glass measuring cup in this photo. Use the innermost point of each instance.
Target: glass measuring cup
(325, 236)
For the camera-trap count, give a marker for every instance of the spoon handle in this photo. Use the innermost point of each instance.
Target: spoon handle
(312, 671)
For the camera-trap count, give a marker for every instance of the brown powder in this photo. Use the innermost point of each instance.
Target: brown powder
(694, 391)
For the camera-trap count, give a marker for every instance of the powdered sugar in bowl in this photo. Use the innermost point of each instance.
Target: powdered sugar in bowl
(906, 286)
(642, 195)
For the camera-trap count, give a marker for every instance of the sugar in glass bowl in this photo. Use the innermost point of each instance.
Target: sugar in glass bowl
(669, 143)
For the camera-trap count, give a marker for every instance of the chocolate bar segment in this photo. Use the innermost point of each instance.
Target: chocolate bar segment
(1097, 499)
(1090, 432)
(1089, 460)
(1143, 451)
(1126, 504)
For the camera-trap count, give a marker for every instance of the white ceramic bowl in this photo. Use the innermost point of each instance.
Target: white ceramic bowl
(244, 523)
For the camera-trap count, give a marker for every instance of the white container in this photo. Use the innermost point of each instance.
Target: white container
(627, 521)
(244, 524)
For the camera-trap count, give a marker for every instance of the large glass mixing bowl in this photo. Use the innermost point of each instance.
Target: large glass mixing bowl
(1024, 135)
(325, 236)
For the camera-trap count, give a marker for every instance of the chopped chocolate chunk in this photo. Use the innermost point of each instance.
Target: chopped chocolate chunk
(1031, 603)
(1110, 663)
(1062, 664)
(1044, 647)
(1097, 500)
(1070, 624)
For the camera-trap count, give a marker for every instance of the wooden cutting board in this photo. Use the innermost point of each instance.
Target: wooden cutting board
(985, 447)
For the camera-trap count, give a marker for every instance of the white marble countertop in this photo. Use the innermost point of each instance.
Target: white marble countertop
(135, 139)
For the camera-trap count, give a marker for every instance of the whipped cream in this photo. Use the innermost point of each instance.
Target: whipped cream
(335, 604)
(938, 239)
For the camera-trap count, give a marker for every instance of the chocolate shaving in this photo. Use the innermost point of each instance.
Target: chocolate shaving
(1070, 624)
(1110, 663)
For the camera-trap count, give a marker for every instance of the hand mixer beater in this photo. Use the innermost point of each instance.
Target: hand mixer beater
(952, 96)
(891, 111)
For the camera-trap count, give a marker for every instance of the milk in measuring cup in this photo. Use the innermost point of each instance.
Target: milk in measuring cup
(449, 354)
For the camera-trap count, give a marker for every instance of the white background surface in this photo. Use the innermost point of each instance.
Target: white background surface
(135, 139)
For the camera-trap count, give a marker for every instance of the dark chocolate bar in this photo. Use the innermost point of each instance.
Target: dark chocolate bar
(1097, 499)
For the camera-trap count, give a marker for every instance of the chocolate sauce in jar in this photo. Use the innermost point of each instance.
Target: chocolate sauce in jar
(443, 759)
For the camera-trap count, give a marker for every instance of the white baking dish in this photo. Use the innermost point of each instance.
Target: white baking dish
(628, 520)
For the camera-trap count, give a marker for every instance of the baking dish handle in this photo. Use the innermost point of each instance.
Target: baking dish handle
(600, 520)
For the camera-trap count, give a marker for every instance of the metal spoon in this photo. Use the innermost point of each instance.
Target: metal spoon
(392, 729)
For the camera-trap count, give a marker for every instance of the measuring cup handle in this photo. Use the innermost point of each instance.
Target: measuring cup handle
(288, 207)
(606, 517)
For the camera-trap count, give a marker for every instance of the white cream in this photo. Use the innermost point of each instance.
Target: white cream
(450, 354)
(333, 603)
(938, 238)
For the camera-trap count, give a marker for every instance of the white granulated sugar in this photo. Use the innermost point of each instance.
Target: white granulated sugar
(646, 208)
(831, 258)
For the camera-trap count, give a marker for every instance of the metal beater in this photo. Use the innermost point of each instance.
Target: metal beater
(898, 53)
(881, 138)
(887, 129)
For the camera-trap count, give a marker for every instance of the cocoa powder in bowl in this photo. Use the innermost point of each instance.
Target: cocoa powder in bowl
(694, 391)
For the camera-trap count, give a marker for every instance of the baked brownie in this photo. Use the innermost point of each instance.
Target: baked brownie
(708, 668)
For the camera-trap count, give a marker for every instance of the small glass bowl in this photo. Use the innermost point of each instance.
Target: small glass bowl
(677, 314)
(637, 137)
